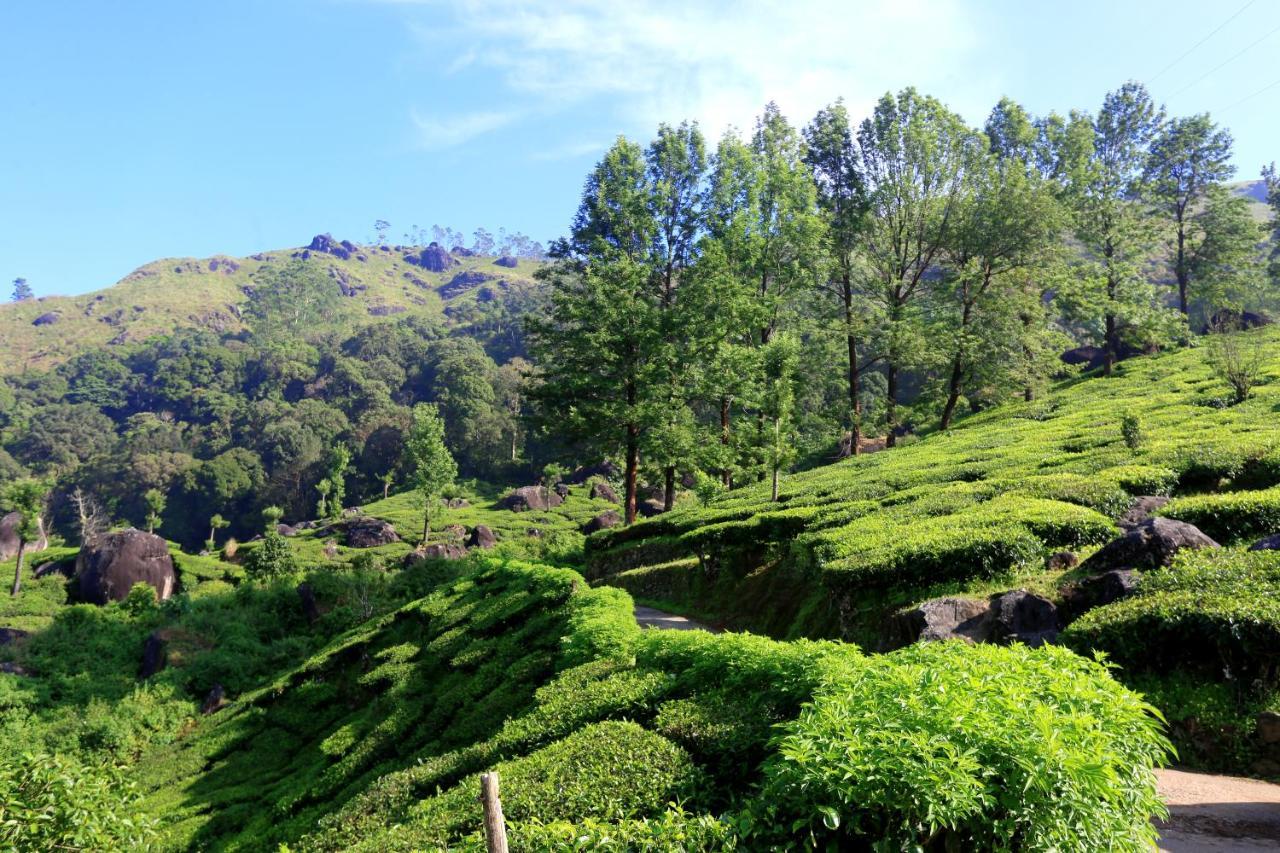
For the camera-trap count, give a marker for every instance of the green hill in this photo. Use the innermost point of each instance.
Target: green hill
(981, 508)
(377, 282)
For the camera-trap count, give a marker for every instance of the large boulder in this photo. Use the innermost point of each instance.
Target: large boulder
(507, 261)
(1148, 545)
(366, 532)
(1142, 508)
(436, 551)
(603, 521)
(47, 319)
(1269, 543)
(1019, 616)
(531, 497)
(948, 618)
(462, 282)
(600, 490)
(108, 568)
(9, 537)
(482, 537)
(1097, 590)
(12, 635)
(433, 258)
(604, 469)
(326, 243)
(651, 507)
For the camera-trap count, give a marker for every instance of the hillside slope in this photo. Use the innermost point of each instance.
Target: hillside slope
(856, 549)
(378, 281)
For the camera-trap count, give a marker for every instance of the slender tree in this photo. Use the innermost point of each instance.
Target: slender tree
(216, 523)
(26, 497)
(1005, 223)
(1111, 222)
(155, 501)
(599, 339)
(913, 155)
(831, 154)
(429, 461)
(1189, 156)
(778, 370)
(21, 290)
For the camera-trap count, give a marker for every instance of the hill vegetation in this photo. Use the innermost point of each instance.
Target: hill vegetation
(363, 521)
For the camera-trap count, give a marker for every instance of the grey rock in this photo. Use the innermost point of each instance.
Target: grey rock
(507, 261)
(153, 656)
(482, 537)
(531, 498)
(1023, 617)
(603, 521)
(600, 490)
(12, 635)
(950, 618)
(1142, 508)
(650, 508)
(1150, 544)
(1063, 560)
(47, 319)
(1269, 543)
(107, 568)
(9, 537)
(213, 700)
(366, 532)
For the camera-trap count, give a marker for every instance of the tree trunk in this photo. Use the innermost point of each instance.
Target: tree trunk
(426, 523)
(957, 369)
(855, 406)
(777, 428)
(633, 470)
(1110, 348)
(17, 567)
(891, 402)
(669, 488)
(727, 475)
(1180, 268)
(386, 487)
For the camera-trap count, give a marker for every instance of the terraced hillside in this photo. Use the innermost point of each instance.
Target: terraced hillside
(982, 508)
(378, 281)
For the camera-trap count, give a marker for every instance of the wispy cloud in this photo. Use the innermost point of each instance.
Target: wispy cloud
(717, 62)
(569, 150)
(447, 131)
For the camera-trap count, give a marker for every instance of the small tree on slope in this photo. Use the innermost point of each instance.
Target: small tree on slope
(430, 462)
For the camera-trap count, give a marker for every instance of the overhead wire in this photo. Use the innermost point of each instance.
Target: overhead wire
(1228, 61)
(1191, 49)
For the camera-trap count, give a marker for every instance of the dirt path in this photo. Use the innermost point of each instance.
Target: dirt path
(1213, 813)
(649, 617)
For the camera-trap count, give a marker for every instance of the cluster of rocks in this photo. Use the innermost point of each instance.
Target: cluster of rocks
(462, 282)
(457, 546)
(433, 258)
(1110, 574)
(342, 249)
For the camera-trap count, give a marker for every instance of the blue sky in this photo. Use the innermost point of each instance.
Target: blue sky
(140, 129)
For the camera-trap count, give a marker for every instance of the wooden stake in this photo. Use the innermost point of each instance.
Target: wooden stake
(495, 831)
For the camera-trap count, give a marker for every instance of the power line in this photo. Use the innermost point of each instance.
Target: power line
(1228, 61)
(1266, 88)
(1202, 41)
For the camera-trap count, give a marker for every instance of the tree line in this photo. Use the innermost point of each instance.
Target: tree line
(713, 313)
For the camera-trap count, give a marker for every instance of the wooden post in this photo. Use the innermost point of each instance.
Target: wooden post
(495, 831)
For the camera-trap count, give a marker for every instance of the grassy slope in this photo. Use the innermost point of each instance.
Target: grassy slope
(180, 292)
(970, 510)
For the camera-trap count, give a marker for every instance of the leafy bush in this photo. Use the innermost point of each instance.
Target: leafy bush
(608, 771)
(270, 558)
(1215, 612)
(673, 830)
(965, 748)
(1131, 430)
(50, 802)
(1231, 516)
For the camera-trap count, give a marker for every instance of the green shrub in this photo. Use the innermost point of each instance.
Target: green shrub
(965, 747)
(1220, 635)
(50, 802)
(1141, 479)
(1131, 431)
(1231, 516)
(271, 558)
(609, 771)
(673, 830)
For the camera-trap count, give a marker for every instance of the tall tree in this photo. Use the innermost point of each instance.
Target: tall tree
(1004, 224)
(1188, 157)
(26, 497)
(913, 155)
(831, 154)
(1224, 256)
(1112, 223)
(429, 461)
(21, 290)
(599, 339)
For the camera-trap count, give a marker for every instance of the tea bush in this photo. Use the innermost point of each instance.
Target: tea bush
(1232, 516)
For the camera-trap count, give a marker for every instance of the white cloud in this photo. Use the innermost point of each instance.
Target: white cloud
(447, 131)
(716, 61)
(569, 150)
